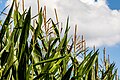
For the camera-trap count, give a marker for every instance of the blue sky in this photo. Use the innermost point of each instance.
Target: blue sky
(114, 4)
(113, 50)
(2, 4)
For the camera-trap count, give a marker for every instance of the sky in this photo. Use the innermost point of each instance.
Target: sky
(97, 20)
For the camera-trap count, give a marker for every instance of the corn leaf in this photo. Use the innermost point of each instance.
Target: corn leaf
(67, 74)
(24, 34)
(49, 60)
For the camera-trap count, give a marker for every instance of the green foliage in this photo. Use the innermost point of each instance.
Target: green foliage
(45, 56)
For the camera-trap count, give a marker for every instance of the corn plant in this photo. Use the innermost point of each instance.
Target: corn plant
(38, 51)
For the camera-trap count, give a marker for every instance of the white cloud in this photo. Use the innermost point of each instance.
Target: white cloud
(99, 24)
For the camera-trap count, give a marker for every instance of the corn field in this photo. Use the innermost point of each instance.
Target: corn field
(32, 48)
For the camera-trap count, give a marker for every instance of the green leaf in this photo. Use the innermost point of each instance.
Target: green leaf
(114, 75)
(43, 41)
(56, 30)
(67, 74)
(82, 64)
(0, 22)
(51, 47)
(4, 57)
(90, 63)
(10, 60)
(39, 24)
(48, 60)
(23, 65)
(111, 67)
(6, 23)
(96, 69)
(61, 44)
(24, 34)
(55, 66)
(67, 28)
